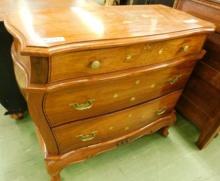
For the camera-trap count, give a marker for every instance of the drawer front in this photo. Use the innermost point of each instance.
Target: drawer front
(78, 64)
(104, 128)
(109, 93)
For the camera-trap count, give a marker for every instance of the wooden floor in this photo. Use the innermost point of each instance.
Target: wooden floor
(152, 158)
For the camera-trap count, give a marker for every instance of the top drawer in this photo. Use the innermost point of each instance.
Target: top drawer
(84, 63)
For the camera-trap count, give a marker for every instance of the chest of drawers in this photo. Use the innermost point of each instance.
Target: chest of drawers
(93, 82)
(202, 107)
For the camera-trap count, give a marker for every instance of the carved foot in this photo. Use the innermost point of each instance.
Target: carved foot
(56, 177)
(165, 131)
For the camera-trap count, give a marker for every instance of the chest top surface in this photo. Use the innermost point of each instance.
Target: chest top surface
(48, 31)
(7, 6)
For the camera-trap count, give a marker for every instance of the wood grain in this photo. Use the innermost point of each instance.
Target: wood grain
(141, 58)
(88, 28)
(201, 99)
(10, 6)
(207, 10)
(115, 125)
(117, 90)
(69, 65)
(56, 163)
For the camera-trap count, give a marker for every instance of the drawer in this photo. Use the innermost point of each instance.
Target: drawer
(84, 63)
(115, 125)
(97, 95)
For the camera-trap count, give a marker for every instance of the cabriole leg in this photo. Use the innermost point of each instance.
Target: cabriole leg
(165, 131)
(56, 177)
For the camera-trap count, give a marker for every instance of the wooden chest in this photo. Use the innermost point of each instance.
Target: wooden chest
(97, 77)
(203, 107)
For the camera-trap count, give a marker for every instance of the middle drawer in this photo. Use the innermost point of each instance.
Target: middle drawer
(115, 125)
(99, 95)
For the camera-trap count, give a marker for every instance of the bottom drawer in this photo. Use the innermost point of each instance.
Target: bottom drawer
(110, 126)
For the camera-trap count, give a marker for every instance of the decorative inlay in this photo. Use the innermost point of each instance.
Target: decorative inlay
(115, 95)
(132, 99)
(127, 128)
(129, 57)
(111, 128)
(127, 22)
(144, 15)
(152, 85)
(147, 47)
(160, 51)
(137, 82)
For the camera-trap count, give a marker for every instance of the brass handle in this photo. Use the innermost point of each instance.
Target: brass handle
(95, 64)
(185, 48)
(87, 137)
(174, 79)
(161, 111)
(84, 106)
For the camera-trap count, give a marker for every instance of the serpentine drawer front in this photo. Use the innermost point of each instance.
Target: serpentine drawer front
(94, 83)
(108, 93)
(84, 63)
(108, 127)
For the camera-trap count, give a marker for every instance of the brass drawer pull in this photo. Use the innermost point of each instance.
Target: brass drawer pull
(161, 111)
(174, 79)
(185, 48)
(84, 106)
(95, 64)
(87, 137)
